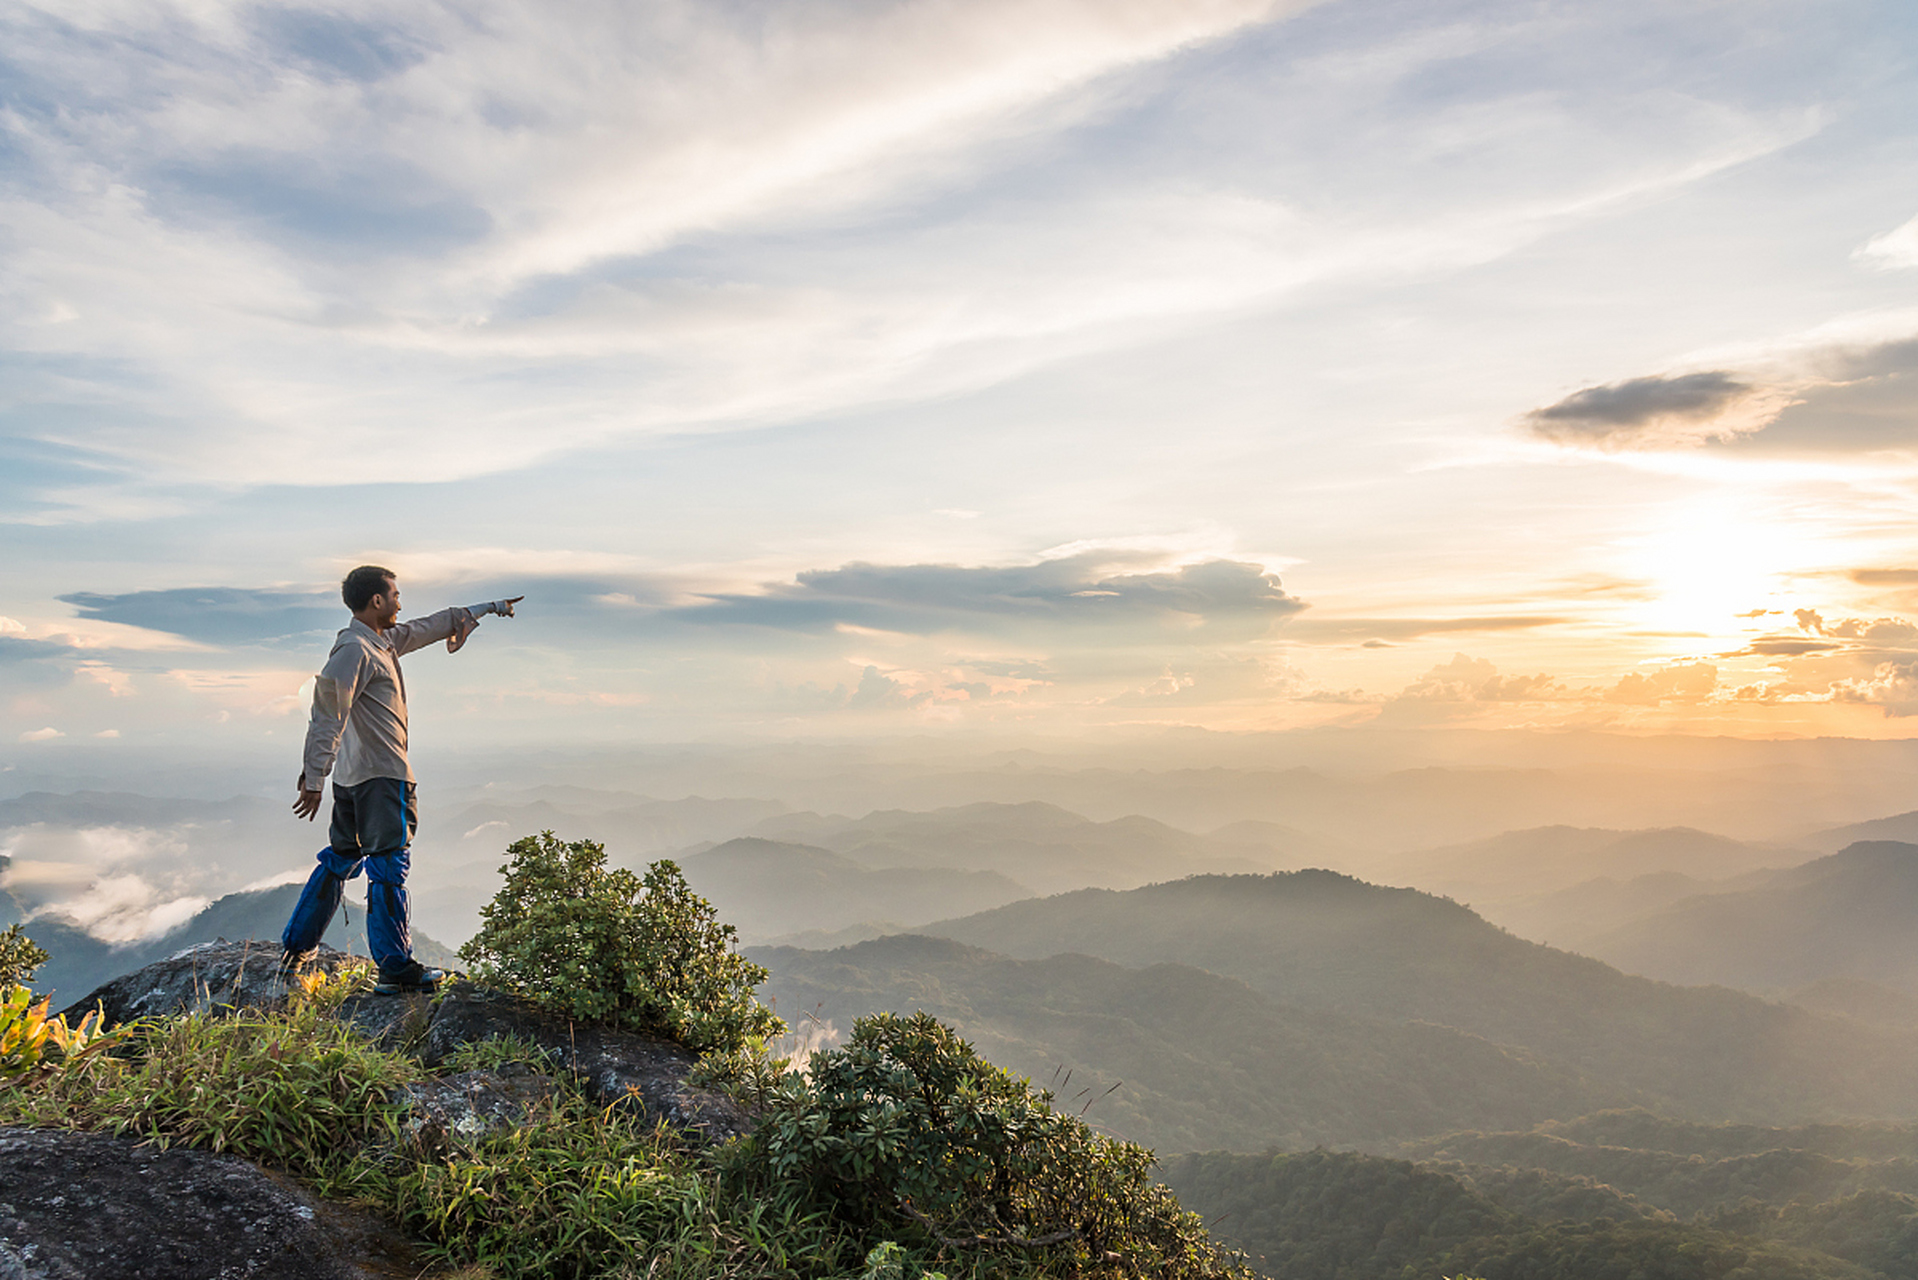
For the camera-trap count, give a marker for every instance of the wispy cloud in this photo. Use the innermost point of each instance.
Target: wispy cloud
(1894, 249)
(450, 242)
(217, 615)
(1068, 596)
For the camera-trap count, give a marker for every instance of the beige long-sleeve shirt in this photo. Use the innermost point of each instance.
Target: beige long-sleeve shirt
(359, 698)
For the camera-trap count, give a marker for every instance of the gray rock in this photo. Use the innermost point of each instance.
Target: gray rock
(644, 1072)
(469, 1105)
(90, 1206)
(212, 976)
(613, 1066)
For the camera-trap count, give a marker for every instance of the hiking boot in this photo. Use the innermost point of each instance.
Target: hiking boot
(291, 962)
(415, 977)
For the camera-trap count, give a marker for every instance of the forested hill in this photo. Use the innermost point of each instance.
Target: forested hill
(1199, 1060)
(1317, 1215)
(1327, 941)
(1849, 915)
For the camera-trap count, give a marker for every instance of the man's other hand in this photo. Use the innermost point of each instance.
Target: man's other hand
(309, 802)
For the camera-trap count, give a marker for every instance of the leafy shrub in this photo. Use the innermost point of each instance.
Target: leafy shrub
(19, 957)
(907, 1131)
(608, 946)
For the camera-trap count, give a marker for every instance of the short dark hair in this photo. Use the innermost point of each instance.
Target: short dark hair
(360, 586)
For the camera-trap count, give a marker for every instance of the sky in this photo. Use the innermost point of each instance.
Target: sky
(825, 369)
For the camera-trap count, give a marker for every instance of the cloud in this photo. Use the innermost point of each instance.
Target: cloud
(1847, 397)
(1874, 633)
(217, 615)
(1658, 412)
(452, 240)
(1467, 679)
(1892, 250)
(1816, 396)
(1689, 682)
(41, 735)
(1079, 595)
(14, 648)
(1781, 646)
(1217, 681)
(1892, 687)
(876, 690)
(1884, 577)
(1380, 632)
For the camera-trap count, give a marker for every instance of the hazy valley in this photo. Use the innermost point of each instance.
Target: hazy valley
(1231, 990)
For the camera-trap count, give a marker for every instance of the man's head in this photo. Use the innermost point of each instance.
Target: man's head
(373, 594)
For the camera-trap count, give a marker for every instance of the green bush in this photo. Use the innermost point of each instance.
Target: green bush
(608, 946)
(19, 957)
(906, 1131)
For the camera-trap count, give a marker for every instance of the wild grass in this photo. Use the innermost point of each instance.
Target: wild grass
(297, 1091)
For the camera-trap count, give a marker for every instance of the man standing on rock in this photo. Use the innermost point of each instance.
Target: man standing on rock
(359, 719)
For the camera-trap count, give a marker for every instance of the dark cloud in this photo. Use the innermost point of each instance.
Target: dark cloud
(217, 615)
(21, 649)
(1859, 400)
(1650, 412)
(1840, 399)
(1885, 577)
(1211, 600)
(1782, 646)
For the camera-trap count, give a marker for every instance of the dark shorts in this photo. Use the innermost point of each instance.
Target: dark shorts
(373, 818)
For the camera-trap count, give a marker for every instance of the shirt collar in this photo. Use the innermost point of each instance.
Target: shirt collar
(360, 628)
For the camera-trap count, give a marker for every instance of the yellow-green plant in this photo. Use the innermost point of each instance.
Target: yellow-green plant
(27, 1031)
(297, 1090)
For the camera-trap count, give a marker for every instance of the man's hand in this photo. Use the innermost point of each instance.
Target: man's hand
(505, 607)
(309, 802)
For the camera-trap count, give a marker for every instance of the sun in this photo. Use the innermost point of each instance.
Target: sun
(1709, 568)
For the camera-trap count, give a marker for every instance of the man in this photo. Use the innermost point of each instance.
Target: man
(358, 732)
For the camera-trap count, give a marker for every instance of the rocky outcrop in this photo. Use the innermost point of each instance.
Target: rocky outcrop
(87, 1206)
(614, 1067)
(435, 1113)
(206, 978)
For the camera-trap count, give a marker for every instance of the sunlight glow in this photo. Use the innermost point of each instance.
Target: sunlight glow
(1709, 563)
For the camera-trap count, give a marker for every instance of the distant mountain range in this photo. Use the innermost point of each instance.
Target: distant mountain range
(1516, 866)
(1050, 849)
(1852, 915)
(1323, 941)
(767, 888)
(1180, 1058)
(1902, 827)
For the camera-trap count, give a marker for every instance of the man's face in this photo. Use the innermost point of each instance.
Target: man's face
(385, 607)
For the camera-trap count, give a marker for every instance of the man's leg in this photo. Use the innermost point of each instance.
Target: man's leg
(389, 820)
(338, 863)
